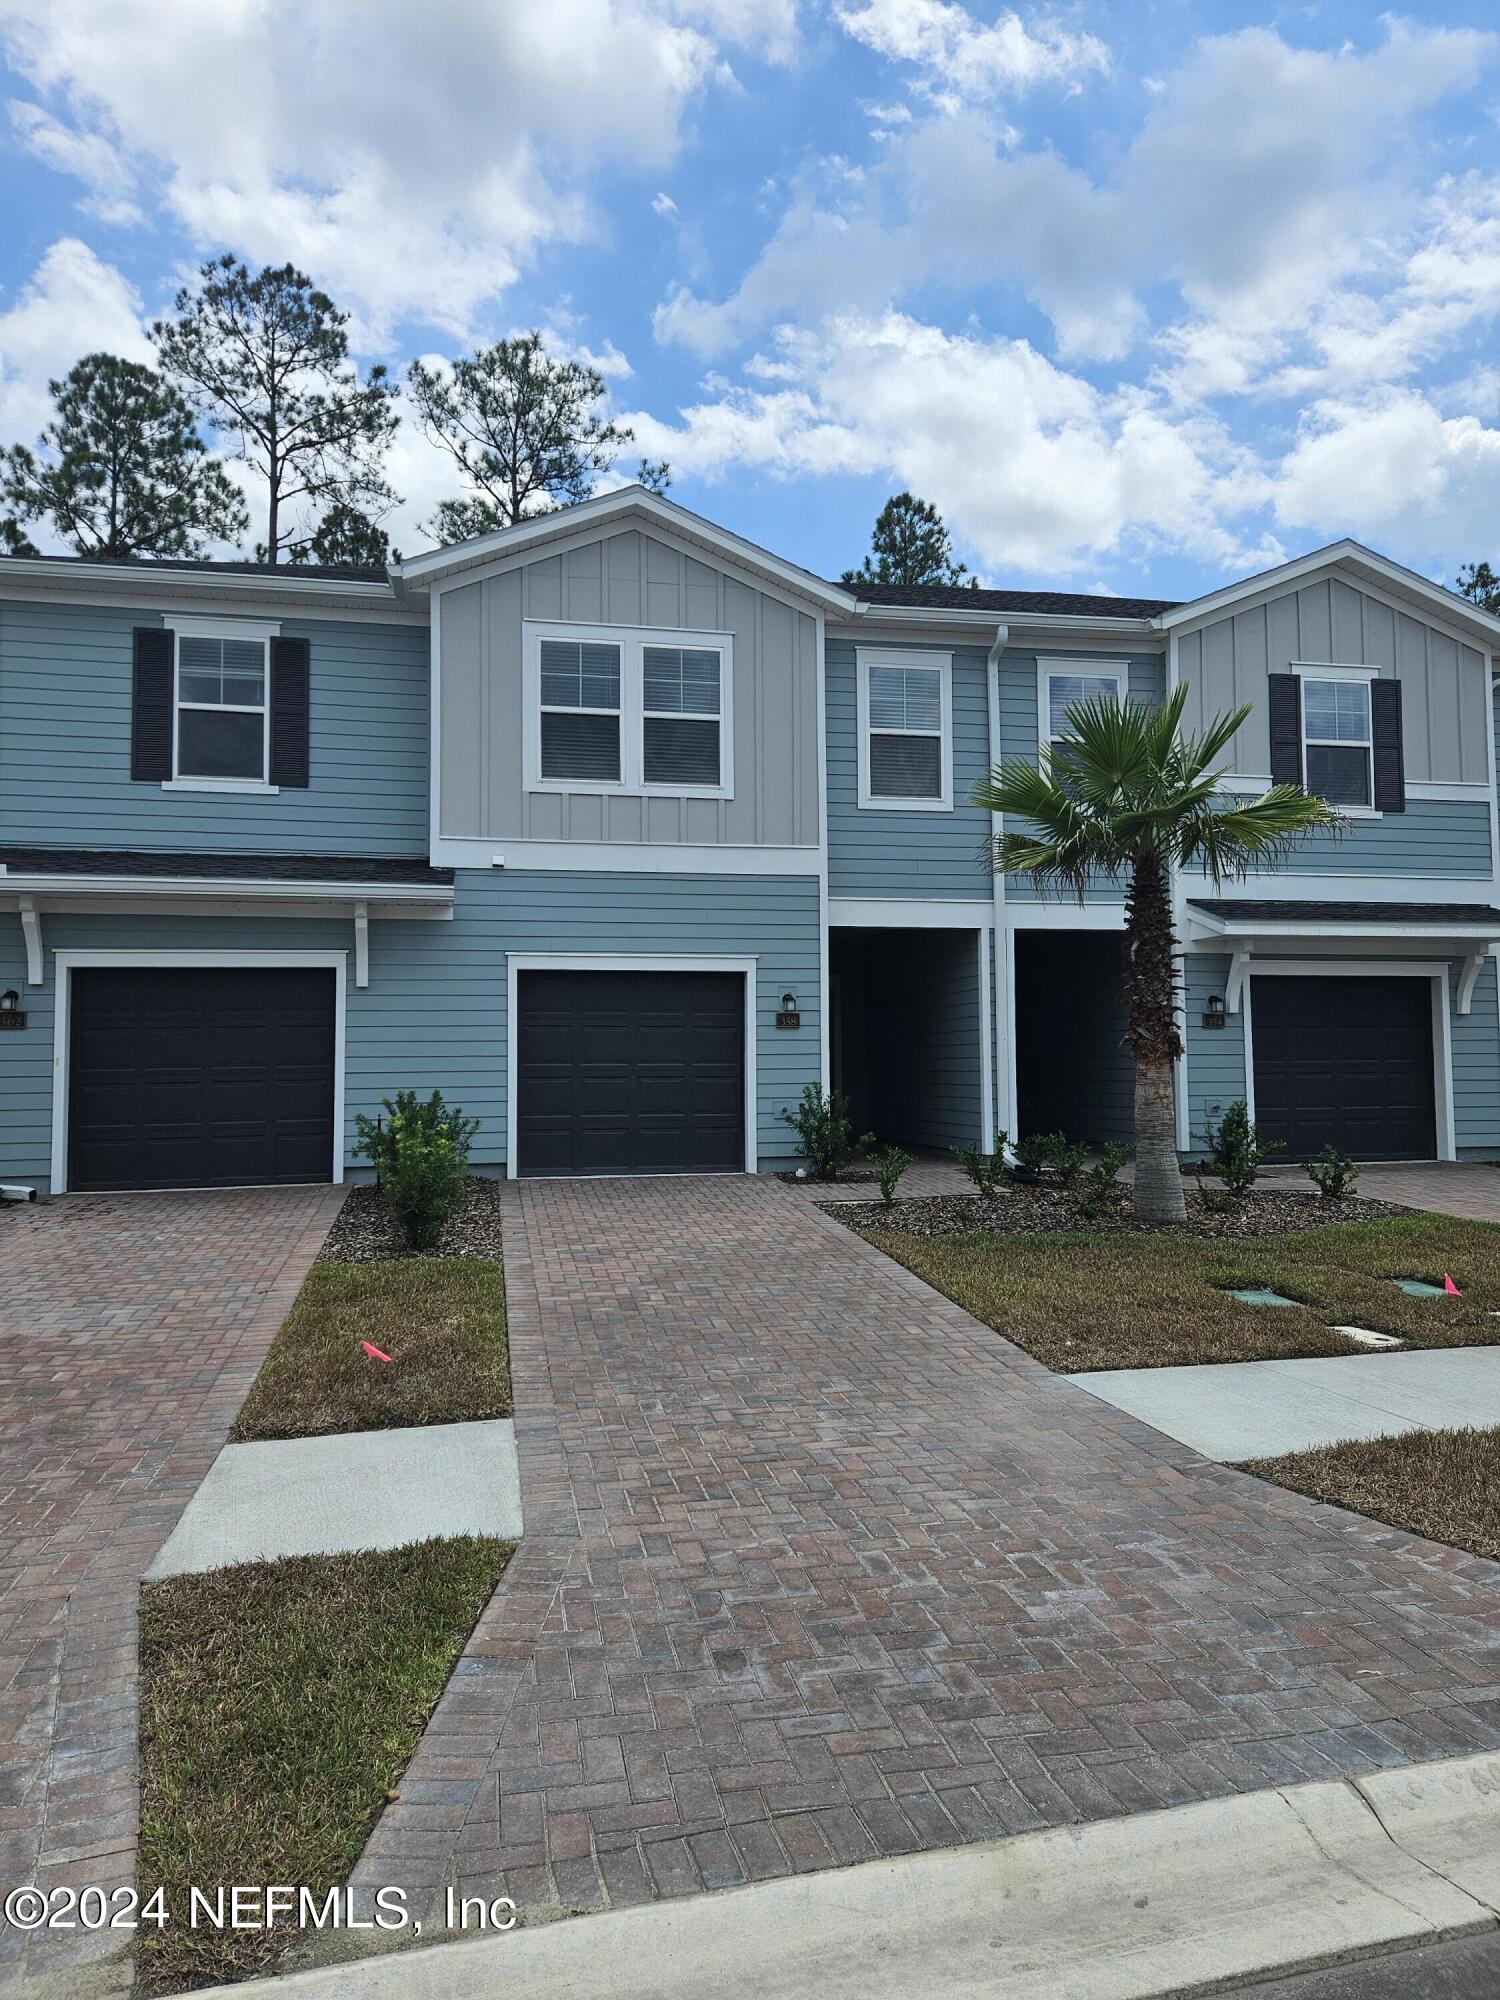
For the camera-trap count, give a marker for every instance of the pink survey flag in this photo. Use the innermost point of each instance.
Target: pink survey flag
(373, 1352)
(1449, 1286)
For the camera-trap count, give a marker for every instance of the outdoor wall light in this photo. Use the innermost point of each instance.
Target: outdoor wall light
(11, 1015)
(788, 1015)
(1213, 1011)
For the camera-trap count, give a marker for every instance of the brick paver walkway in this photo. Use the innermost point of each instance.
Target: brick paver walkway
(131, 1327)
(817, 1568)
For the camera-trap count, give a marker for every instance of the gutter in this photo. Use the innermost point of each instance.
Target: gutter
(438, 894)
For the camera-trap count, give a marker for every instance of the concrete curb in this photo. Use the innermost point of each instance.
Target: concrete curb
(1183, 1901)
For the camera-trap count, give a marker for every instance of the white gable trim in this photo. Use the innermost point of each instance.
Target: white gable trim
(1412, 593)
(548, 534)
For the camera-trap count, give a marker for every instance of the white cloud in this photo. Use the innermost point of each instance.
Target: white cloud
(1033, 467)
(663, 205)
(413, 172)
(73, 304)
(86, 156)
(1262, 179)
(959, 61)
(1393, 466)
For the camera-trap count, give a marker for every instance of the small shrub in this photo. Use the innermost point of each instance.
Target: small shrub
(420, 1158)
(890, 1165)
(1033, 1155)
(1333, 1173)
(824, 1132)
(1100, 1178)
(1213, 1200)
(985, 1170)
(1065, 1158)
(1235, 1152)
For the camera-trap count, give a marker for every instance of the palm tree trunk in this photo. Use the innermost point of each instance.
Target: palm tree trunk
(1151, 999)
(1158, 1178)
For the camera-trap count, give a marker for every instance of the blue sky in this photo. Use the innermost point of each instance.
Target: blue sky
(1143, 296)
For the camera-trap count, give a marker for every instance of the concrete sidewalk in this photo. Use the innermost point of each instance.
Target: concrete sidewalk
(1184, 1900)
(1255, 1409)
(357, 1490)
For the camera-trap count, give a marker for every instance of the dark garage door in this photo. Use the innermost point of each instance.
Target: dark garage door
(200, 1078)
(631, 1072)
(1347, 1060)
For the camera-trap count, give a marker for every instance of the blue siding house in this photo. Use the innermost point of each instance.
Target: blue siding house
(620, 830)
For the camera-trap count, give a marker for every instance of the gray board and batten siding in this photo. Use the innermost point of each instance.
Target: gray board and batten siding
(630, 580)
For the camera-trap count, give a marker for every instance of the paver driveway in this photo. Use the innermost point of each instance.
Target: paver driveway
(131, 1327)
(817, 1567)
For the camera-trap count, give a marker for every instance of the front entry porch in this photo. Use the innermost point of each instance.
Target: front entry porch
(910, 1034)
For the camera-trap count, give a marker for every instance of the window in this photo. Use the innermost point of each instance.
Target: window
(628, 711)
(222, 720)
(580, 710)
(1064, 688)
(680, 716)
(905, 730)
(1336, 739)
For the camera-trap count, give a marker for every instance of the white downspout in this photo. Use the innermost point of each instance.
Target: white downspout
(1002, 997)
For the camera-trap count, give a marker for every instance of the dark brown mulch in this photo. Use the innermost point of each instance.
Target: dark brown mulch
(365, 1233)
(846, 1178)
(1441, 1484)
(1041, 1209)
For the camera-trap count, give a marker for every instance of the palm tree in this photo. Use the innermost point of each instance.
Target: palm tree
(1125, 795)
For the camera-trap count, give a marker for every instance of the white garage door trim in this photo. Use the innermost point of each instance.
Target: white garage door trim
(518, 962)
(1368, 968)
(68, 962)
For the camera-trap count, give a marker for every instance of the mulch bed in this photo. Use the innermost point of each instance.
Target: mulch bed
(1041, 1209)
(365, 1233)
(847, 1178)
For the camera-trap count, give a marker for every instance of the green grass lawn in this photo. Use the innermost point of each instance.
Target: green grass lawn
(441, 1320)
(280, 1703)
(1078, 1300)
(1441, 1484)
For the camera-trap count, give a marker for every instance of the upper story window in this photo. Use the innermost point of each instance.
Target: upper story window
(905, 730)
(223, 713)
(1337, 739)
(628, 711)
(1065, 685)
(580, 710)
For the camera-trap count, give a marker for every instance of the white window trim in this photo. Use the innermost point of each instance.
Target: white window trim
(222, 628)
(905, 656)
(518, 962)
(1325, 670)
(632, 641)
(62, 1045)
(1117, 671)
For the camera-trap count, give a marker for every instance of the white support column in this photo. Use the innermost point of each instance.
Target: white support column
(361, 944)
(985, 942)
(31, 931)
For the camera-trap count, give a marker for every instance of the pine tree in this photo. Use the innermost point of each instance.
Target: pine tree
(121, 470)
(909, 544)
(527, 431)
(266, 358)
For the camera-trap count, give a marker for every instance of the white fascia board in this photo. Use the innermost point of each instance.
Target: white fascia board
(629, 503)
(626, 857)
(1050, 628)
(437, 896)
(1206, 923)
(131, 584)
(1352, 555)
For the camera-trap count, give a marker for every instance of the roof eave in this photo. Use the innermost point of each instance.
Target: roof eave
(628, 502)
(1394, 576)
(134, 578)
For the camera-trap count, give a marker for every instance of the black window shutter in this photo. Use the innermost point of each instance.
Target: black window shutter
(1286, 729)
(151, 705)
(289, 712)
(1390, 761)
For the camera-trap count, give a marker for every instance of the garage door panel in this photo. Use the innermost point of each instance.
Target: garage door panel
(630, 1072)
(200, 1076)
(1346, 1060)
